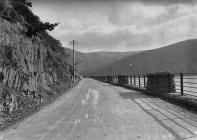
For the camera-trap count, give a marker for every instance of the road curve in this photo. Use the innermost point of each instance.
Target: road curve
(99, 111)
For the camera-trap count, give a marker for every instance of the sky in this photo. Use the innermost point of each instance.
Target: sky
(119, 25)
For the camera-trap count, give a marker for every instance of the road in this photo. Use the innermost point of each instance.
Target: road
(99, 111)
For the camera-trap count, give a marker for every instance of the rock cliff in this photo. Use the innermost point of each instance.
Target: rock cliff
(29, 67)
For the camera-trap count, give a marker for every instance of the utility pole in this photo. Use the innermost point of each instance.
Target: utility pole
(73, 42)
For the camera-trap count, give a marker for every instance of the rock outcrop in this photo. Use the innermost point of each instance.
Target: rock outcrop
(29, 67)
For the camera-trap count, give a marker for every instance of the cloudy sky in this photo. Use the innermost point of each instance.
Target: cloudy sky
(120, 25)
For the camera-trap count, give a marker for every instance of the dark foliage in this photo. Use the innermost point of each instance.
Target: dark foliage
(33, 22)
(41, 27)
(24, 2)
(22, 8)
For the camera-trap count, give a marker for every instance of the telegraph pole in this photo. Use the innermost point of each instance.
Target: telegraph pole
(73, 42)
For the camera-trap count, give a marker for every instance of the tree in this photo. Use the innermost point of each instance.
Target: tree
(42, 27)
(33, 22)
(22, 8)
(24, 2)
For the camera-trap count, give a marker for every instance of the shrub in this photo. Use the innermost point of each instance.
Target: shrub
(41, 27)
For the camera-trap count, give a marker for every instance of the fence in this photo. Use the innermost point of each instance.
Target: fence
(185, 84)
(138, 81)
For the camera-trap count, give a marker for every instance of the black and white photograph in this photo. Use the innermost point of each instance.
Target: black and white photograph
(98, 69)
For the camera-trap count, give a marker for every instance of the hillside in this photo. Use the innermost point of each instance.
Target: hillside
(89, 63)
(176, 58)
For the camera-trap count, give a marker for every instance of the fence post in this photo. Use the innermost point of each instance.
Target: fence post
(139, 80)
(181, 83)
(144, 81)
(127, 79)
(134, 81)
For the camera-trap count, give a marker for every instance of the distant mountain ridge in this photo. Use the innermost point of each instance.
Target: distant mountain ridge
(91, 62)
(175, 58)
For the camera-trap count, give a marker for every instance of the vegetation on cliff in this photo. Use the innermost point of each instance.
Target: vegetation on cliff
(19, 11)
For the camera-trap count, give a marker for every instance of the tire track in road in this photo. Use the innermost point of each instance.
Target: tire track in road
(80, 114)
(113, 120)
(64, 114)
(59, 121)
(89, 104)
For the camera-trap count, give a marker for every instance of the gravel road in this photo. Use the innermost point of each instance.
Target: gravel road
(99, 111)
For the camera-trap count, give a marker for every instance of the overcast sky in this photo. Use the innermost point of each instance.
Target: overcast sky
(120, 25)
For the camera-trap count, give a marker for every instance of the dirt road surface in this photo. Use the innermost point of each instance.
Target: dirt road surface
(99, 111)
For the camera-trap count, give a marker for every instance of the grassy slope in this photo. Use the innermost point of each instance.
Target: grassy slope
(178, 57)
(91, 62)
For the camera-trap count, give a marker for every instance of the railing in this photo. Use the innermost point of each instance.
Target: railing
(185, 84)
(138, 81)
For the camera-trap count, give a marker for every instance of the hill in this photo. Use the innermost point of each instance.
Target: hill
(89, 63)
(176, 58)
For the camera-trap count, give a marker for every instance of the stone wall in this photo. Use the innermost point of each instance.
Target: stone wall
(160, 83)
(122, 80)
(109, 79)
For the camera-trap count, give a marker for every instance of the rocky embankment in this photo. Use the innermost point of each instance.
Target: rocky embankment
(29, 69)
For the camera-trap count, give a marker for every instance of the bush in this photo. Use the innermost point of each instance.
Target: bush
(33, 22)
(21, 8)
(18, 10)
(41, 27)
